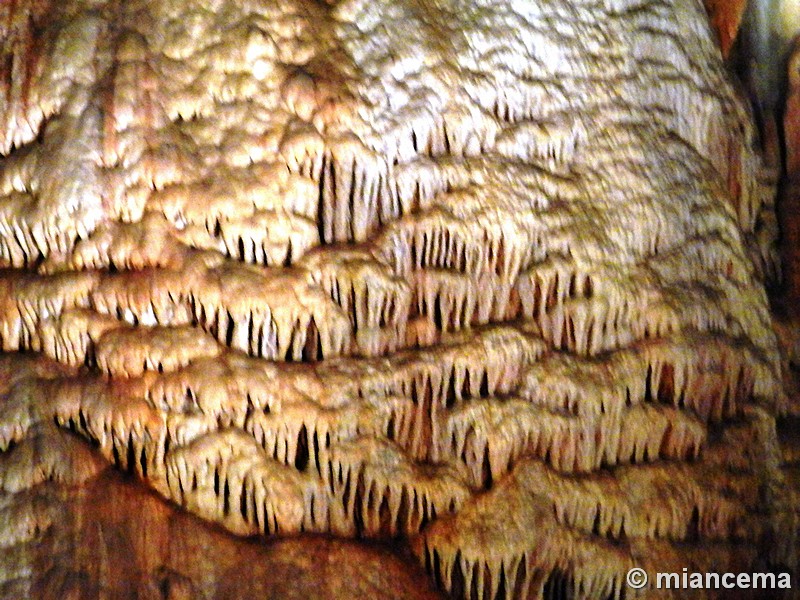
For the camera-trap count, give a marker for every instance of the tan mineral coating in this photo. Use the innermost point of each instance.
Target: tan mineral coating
(485, 278)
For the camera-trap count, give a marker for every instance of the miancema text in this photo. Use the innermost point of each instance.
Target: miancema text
(713, 581)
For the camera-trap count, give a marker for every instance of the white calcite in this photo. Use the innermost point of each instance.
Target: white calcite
(487, 275)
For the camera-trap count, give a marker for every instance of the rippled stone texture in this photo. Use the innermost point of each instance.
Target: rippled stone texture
(486, 276)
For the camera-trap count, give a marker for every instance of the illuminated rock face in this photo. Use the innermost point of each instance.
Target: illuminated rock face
(768, 30)
(487, 276)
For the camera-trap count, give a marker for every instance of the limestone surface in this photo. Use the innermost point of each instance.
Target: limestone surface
(483, 276)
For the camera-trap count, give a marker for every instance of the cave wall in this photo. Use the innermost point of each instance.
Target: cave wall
(482, 279)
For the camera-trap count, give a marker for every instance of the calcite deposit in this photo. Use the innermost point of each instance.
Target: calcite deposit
(484, 278)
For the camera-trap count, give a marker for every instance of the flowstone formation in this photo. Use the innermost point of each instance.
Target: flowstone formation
(485, 276)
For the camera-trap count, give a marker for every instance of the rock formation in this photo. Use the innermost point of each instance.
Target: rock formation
(726, 19)
(483, 276)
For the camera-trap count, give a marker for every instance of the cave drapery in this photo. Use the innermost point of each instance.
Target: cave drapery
(483, 278)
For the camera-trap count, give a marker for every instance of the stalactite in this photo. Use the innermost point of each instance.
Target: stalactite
(371, 269)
